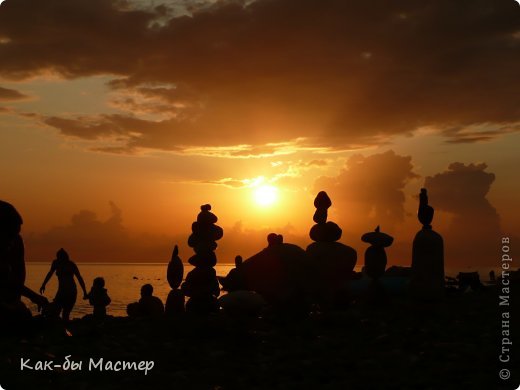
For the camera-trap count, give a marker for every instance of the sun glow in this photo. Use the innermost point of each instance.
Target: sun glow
(265, 195)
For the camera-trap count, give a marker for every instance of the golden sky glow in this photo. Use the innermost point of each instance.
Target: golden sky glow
(117, 124)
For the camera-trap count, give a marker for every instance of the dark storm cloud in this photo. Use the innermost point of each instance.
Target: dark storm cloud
(462, 191)
(474, 231)
(340, 74)
(91, 239)
(131, 134)
(88, 238)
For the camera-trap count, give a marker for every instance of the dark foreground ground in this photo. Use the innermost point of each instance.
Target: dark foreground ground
(455, 345)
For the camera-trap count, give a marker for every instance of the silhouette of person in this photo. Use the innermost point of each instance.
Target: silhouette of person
(150, 305)
(12, 270)
(98, 297)
(238, 261)
(234, 280)
(66, 295)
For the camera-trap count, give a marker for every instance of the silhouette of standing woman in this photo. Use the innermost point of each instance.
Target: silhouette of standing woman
(65, 270)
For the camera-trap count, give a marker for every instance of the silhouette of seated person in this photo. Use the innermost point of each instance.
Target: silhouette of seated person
(234, 280)
(98, 298)
(66, 295)
(148, 306)
(13, 312)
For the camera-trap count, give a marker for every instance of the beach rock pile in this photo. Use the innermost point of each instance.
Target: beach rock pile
(324, 231)
(201, 283)
(427, 279)
(175, 273)
(279, 273)
(332, 261)
(375, 263)
(375, 255)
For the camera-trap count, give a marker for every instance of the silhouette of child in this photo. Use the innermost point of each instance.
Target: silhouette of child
(65, 270)
(98, 297)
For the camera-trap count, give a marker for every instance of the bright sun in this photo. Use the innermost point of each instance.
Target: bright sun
(266, 195)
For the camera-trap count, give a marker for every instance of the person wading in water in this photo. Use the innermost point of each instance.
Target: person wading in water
(65, 270)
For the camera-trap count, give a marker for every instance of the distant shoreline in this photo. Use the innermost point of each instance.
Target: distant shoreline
(450, 271)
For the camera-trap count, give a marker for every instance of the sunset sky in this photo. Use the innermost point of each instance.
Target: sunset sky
(118, 119)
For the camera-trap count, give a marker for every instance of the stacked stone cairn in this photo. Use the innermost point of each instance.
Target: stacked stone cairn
(332, 262)
(324, 231)
(375, 262)
(175, 301)
(201, 284)
(427, 279)
(375, 255)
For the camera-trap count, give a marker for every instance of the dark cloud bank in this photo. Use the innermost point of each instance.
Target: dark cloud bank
(340, 74)
(88, 238)
(474, 231)
(369, 191)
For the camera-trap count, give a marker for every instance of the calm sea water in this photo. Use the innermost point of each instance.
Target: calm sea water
(124, 281)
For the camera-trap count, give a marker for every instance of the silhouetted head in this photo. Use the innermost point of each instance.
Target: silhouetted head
(425, 213)
(62, 255)
(99, 282)
(10, 220)
(279, 239)
(147, 290)
(238, 261)
(205, 207)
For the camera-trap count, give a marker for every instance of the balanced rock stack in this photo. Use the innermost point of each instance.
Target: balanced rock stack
(324, 231)
(201, 283)
(427, 279)
(175, 273)
(375, 262)
(375, 255)
(332, 261)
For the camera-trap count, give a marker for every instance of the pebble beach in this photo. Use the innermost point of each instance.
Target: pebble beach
(399, 345)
